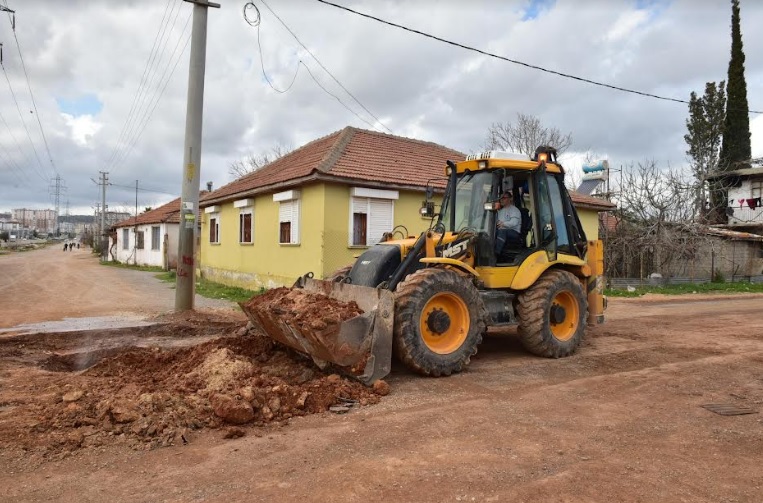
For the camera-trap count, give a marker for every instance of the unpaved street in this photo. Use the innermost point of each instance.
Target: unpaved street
(621, 420)
(50, 285)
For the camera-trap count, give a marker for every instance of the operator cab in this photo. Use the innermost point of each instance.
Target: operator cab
(547, 219)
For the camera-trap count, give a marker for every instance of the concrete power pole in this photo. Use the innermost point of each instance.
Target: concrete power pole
(104, 240)
(189, 201)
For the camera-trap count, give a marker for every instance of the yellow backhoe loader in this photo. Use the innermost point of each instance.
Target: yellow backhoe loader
(430, 298)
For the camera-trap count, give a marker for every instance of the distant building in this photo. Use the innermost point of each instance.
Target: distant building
(42, 221)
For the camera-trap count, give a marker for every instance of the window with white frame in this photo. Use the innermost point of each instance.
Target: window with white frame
(213, 218)
(125, 239)
(756, 187)
(372, 213)
(288, 216)
(245, 220)
(156, 240)
(139, 240)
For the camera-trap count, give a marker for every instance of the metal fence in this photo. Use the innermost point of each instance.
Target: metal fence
(623, 283)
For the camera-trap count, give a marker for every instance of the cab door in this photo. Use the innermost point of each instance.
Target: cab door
(547, 234)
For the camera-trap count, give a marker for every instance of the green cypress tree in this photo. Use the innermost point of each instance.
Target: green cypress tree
(705, 130)
(736, 149)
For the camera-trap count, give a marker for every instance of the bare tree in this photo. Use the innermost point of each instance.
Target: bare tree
(525, 135)
(657, 230)
(253, 162)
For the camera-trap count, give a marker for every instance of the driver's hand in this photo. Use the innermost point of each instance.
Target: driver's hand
(499, 225)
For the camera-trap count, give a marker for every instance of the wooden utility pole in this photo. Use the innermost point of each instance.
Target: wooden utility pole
(185, 287)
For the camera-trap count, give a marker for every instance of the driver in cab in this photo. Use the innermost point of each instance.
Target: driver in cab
(508, 222)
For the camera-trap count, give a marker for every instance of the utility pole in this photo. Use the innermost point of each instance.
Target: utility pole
(96, 225)
(104, 240)
(135, 230)
(185, 288)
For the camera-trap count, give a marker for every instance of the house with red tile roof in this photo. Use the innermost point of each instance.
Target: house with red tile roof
(151, 238)
(320, 206)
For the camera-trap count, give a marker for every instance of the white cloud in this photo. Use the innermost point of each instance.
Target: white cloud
(417, 86)
(83, 128)
(626, 24)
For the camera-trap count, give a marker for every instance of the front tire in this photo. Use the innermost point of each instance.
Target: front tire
(439, 322)
(552, 315)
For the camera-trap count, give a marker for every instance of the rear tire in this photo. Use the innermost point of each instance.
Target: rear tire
(439, 322)
(552, 315)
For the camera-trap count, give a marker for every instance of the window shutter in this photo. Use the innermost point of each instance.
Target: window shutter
(380, 219)
(359, 205)
(295, 221)
(288, 211)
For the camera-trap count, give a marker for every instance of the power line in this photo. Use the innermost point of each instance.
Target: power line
(324, 68)
(142, 113)
(139, 90)
(143, 189)
(29, 86)
(147, 116)
(21, 116)
(21, 151)
(256, 23)
(514, 61)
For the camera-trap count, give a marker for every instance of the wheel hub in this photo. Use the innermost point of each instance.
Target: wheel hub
(557, 314)
(438, 322)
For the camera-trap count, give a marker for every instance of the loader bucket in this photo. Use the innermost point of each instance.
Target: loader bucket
(361, 346)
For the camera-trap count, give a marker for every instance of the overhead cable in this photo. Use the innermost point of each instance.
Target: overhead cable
(29, 86)
(139, 90)
(514, 61)
(324, 68)
(255, 22)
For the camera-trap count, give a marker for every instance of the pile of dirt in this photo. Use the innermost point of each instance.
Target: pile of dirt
(154, 396)
(304, 310)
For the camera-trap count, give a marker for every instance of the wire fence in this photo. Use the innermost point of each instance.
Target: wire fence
(624, 283)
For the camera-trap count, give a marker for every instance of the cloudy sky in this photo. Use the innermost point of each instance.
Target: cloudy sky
(109, 81)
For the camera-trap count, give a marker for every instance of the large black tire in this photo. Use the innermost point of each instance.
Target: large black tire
(552, 315)
(439, 321)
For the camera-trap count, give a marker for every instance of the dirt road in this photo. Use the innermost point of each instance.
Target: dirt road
(621, 420)
(50, 284)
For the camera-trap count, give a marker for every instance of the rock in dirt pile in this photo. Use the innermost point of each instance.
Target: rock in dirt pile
(157, 396)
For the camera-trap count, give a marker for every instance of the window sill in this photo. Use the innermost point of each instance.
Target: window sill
(215, 244)
(358, 247)
(246, 244)
(289, 244)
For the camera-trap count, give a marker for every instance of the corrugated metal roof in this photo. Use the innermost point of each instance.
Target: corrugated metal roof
(733, 235)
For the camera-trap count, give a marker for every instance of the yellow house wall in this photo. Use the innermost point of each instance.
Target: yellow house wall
(265, 262)
(338, 252)
(590, 221)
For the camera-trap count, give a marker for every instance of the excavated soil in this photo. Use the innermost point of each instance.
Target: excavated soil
(305, 310)
(155, 386)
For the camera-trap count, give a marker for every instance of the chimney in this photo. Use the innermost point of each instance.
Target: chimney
(209, 186)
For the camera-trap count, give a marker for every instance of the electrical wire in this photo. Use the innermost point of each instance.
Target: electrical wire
(324, 68)
(514, 61)
(139, 90)
(142, 189)
(255, 22)
(31, 94)
(142, 110)
(21, 151)
(150, 113)
(23, 122)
